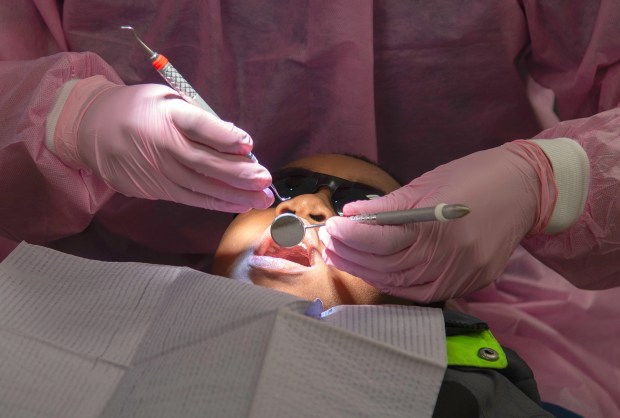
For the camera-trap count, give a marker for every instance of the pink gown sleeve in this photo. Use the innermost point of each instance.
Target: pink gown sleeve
(575, 52)
(42, 199)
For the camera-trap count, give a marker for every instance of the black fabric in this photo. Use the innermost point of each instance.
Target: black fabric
(477, 392)
(470, 393)
(520, 374)
(459, 323)
(455, 400)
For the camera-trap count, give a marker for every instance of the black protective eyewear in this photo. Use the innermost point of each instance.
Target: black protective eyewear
(292, 182)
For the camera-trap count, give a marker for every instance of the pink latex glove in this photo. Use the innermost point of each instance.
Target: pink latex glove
(511, 193)
(145, 141)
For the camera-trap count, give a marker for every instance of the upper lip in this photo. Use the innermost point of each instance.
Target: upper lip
(303, 250)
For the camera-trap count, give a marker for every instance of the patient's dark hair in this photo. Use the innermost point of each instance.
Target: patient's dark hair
(369, 161)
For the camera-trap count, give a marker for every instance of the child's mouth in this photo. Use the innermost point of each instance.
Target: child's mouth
(298, 254)
(272, 257)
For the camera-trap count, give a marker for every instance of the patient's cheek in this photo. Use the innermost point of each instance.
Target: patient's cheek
(246, 228)
(242, 234)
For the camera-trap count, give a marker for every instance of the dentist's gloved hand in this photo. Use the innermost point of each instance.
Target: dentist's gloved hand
(511, 193)
(145, 141)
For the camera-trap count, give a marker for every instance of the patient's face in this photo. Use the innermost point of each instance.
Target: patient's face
(248, 253)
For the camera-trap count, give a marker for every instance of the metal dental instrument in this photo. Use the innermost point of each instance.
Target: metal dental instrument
(288, 230)
(172, 75)
(185, 90)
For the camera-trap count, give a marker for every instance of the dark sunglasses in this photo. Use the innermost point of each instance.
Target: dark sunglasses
(292, 182)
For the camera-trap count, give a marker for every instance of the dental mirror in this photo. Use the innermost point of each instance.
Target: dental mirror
(288, 230)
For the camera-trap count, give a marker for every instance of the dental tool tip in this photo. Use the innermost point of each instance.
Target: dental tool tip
(277, 195)
(148, 50)
(455, 211)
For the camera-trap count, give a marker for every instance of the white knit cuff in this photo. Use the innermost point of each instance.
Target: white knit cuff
(571, 170)
(52, 117)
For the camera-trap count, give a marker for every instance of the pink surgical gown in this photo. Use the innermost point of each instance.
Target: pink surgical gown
(568, 336)
(409, 84)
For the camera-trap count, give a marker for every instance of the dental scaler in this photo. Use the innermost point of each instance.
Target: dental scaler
(172, 76)
(175, 80)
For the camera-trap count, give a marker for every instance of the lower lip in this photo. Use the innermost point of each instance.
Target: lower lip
(278, 265)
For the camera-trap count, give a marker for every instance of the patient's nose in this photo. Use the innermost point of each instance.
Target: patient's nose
(313, 207)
